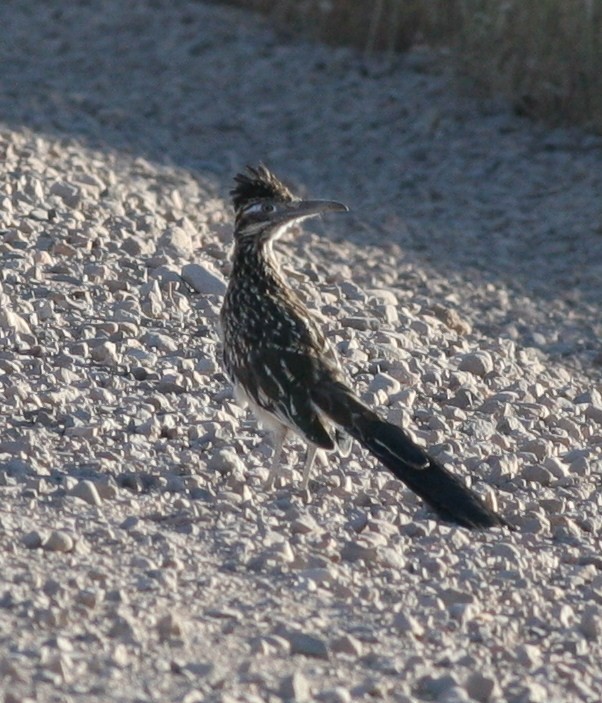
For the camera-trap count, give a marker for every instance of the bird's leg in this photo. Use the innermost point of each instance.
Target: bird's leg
(279, 437)
(309, 461)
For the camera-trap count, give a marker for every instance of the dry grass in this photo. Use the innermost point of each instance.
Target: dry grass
(544, 55)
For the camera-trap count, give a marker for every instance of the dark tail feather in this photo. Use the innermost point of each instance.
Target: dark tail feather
(443, 491)
(437, 486)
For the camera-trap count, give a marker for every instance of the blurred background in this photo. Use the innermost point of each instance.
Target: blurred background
(543, 55)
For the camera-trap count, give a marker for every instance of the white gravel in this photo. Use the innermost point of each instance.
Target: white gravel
(141, 558)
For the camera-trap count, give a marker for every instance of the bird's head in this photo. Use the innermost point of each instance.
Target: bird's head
(265, 207)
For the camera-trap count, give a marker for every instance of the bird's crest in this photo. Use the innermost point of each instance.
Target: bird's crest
(257, 184)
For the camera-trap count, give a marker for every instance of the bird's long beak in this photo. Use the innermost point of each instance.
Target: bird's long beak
(307, 208)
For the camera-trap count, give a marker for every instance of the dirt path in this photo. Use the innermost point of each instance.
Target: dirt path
(141, 558)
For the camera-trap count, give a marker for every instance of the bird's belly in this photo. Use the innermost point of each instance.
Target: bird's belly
(268, 420)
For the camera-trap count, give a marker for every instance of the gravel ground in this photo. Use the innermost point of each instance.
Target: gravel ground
(141, 558)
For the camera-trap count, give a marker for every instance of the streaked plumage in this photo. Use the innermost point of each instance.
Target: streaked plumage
(281, 363)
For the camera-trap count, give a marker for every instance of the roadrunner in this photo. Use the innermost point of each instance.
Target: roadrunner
(284, 368)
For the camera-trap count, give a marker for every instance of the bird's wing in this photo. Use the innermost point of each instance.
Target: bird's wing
(278, 380)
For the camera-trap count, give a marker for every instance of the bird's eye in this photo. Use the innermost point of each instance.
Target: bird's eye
(268, 207)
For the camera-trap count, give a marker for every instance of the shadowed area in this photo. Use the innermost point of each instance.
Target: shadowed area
(463, 187)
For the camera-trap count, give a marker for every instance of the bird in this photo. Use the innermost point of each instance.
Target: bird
(281, 364)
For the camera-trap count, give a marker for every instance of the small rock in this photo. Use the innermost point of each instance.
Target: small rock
(528, 655)
(226, 461)
(353, 551)
(590, 623)
(478, 363)
(451, 318)
(161, 342)
(169, 627)
(10, 320)
(105, 353)
(407, 624)
(152, 299)
(295, 688)
(58, 541)
(347, 644)
(537, 474)
(203, 278)
(338, 694)
(384, 382)
(358, 323)
(594, 412)
(175, 242)
(436, 686)
(352, 291)
(480, 687)
(68, 193)
(86, 491)
(33, 540)
(308, 645)
(89, 597)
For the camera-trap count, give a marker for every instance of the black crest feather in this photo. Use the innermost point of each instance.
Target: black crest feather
(256, 184)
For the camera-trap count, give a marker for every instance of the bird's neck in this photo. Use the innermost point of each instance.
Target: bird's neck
(256, 255)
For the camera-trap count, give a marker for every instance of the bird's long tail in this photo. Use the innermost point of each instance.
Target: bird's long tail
(443, 491)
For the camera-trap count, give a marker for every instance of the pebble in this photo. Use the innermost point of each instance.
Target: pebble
(10, 320)
(304, 524)
(590, 623)
(356, 323)
(295, 688)
(33, 540)
(105, 353)
(478, 363)
(68, 192)
(480, 687)
(338, 694)
(176, 242)
(528, 655)
(308, 645)
(203, 278)
(347, 644)
(169, 627)
(537, 474)
(407, 624)
(354, 551)
(58, 541)
(226, 461)
(437, 686)
(86, 491)
(451, 318)
(594, 413)
(384, 382)
(89, 597)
